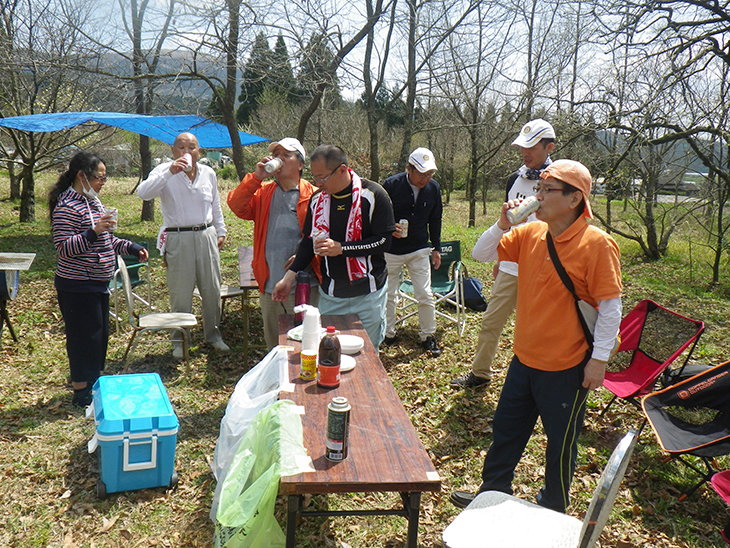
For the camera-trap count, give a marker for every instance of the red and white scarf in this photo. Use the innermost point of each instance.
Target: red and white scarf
(356, 266)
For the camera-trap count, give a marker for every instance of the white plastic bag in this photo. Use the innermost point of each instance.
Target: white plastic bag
(273, 447)
(256, 389)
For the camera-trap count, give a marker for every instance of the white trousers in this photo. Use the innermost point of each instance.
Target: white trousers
(419, 271)
(193, 259)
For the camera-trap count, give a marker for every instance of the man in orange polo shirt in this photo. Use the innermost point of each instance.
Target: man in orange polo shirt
(553, 367)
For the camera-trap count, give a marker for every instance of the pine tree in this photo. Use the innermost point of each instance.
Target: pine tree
(255, 74)
(316, 58)
(281, 79)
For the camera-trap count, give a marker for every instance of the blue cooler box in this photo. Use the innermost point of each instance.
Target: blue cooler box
(136, 433)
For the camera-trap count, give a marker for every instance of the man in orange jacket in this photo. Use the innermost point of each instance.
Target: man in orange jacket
(278, 208)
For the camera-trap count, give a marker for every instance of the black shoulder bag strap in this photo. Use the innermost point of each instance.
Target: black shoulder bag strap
(570, 287)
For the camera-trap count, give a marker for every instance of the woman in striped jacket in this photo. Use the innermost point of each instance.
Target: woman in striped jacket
(87, 248)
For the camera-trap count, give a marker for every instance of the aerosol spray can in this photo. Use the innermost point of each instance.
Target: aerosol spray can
(338, 429)
(273, 164)
(518, 214)
(403, 228)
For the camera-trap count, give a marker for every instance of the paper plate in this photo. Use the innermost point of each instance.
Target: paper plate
(295, 333)
(350, 344)
(347, 363)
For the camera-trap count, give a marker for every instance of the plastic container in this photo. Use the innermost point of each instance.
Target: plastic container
(136, 433)
(328, 367)
(301, 293)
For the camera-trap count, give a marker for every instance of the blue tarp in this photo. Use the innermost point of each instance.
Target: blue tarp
(162, 128)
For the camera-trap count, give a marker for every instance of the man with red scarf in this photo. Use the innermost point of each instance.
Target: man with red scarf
(349, 224)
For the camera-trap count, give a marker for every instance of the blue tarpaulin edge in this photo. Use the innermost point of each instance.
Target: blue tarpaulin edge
(163, 128)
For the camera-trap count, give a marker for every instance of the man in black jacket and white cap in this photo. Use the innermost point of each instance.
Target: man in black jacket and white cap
(416, 198)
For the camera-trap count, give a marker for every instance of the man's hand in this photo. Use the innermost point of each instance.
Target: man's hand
(593, 374)
(221, 241)
(178, 165)
(503, 221)
(436, 259)
(328, 247)
(282, 289)
(144, 255)
(398, 231)
(260, 172)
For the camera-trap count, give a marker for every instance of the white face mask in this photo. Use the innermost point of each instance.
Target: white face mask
(88, 192)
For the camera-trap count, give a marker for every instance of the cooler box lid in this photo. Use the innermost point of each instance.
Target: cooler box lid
(132, 404)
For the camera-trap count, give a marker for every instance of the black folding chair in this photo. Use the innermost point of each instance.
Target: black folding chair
(693, 418)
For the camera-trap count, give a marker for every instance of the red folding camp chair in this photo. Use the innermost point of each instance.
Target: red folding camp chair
(652, 337)
(721, 484)
(693, 418)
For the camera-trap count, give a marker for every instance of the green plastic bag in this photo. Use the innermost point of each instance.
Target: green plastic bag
(272, 447)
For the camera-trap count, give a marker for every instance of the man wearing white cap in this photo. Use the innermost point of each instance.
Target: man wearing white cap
(536, 141)
(416, 198)
(278, 208)
(556, 360)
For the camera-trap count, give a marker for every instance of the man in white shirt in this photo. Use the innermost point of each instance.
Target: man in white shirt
(192, 235)
(536, 141)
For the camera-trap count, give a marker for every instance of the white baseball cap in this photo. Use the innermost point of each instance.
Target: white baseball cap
(533, 132)
(422, 160)
(289, 143)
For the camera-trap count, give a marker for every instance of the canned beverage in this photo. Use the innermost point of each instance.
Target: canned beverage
(189, 160)
(518, 214)
(318, 235)
(403, 228)
(273, 164)
(338, 429)
(309, 365)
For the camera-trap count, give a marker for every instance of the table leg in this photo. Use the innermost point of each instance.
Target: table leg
(246, 303)
(412, 504)
(292, 509)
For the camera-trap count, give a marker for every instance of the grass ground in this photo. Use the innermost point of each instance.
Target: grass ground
(47, 492)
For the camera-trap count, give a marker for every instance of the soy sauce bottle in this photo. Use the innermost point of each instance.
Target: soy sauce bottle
(328, 368)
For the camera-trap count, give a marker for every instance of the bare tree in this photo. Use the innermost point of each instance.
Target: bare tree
(41, 53)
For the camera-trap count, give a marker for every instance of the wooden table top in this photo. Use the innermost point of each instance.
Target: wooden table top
(385, 453)
(245, 271)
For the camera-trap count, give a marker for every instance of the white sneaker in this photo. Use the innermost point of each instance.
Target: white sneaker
(177, 352)
(221, 346)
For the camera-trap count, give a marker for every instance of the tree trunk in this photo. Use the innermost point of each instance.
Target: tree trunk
(411, 86)
(14, 181)
(27, 196)
(229, 101)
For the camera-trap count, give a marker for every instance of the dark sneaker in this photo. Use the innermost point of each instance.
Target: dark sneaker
(461, 499)
(390, 341)
(469, 380)
(83, 397)
(432, 346)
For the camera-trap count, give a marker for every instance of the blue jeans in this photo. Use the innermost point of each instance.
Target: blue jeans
(370, 308)
(558, 398)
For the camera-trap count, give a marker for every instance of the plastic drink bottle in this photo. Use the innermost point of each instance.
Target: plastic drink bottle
(328, 369)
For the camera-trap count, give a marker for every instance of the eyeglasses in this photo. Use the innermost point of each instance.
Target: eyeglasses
(103, 179)
(322, 181)
(546, 189)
